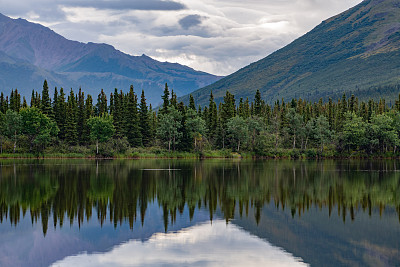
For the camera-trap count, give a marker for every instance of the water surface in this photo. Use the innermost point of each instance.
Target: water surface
(199, 213)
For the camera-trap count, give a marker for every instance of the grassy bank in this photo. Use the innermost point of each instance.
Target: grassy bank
(156, 152)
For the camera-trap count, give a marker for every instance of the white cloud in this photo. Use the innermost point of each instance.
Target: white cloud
(230, 35)
(202, 245)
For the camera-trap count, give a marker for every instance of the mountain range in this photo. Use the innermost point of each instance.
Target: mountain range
(357, 51)
(31, 53)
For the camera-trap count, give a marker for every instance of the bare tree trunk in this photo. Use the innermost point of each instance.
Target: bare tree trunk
(294, 141)
(97, 147)
(15, 141)
(238, 145)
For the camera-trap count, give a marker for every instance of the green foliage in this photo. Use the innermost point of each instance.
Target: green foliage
(38, 128)
(238, 132)
(168, 125)
(354, 129)
(294, 129)
(101, 129)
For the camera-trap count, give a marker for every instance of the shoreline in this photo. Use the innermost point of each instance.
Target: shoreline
(189, 155)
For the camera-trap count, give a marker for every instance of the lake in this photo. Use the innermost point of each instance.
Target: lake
(199, 213)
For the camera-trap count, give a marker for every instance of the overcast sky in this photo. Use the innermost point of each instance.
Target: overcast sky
(216, 36)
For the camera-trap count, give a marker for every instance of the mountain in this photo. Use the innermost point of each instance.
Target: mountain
(30, 53)
(356, 51)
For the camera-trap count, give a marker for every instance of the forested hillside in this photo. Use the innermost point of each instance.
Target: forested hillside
(356, 51)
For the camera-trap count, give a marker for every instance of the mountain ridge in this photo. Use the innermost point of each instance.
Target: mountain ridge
(72, 64)
(352, 51)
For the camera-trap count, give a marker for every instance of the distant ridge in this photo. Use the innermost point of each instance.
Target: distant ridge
(30, 53)
(355, 51)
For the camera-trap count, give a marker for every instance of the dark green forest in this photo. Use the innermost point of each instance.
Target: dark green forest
(123, 124)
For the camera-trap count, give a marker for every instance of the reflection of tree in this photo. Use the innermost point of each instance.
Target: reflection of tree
(121, 190)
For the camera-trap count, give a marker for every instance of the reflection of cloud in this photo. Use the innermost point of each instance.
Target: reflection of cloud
(235, 33)
(203, 245)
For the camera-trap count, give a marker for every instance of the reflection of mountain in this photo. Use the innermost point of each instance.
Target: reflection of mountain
(324, 240)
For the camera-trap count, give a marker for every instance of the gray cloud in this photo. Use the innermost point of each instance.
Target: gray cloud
(128, 4)
(190, 21)
(219, 37)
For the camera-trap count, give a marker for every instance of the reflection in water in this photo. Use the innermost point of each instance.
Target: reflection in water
(121, 190)
(327, 213)
(218, 244)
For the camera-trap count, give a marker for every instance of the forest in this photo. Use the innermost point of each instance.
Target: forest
(122, 124)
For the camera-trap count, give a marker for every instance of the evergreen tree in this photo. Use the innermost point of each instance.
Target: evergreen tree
(80, 117)
(71, 134)
(257, 103)
(144, 121)
(165, 98)
(191, 102)
(3, 104)
(133, 132)
(174, 100)
(212, 118)
(46, 101)
(24, 103)
(101, 106)
(15, 101)
(60, 112)
(89, 112)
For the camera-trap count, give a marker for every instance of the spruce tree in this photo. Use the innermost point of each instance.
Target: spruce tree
(132, 120)
(60, 112)
(33, 101)
(144, 121)
(24, 103)
(46, 101)
(191, 102)
(80, 120)
(174, 100)
(71, 135)
(101, 106)
(3, 104)
(257, 103)
(89, 112)
(165, 98)
(211, 120)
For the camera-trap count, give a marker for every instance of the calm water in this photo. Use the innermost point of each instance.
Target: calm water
(199, 213)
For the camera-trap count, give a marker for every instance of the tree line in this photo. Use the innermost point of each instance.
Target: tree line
(122, 121)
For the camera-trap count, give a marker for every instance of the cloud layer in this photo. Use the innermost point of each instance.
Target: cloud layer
(214, 36)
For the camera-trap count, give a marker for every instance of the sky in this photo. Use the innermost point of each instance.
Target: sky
(215, 36)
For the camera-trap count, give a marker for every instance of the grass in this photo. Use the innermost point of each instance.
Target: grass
(159, 153)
